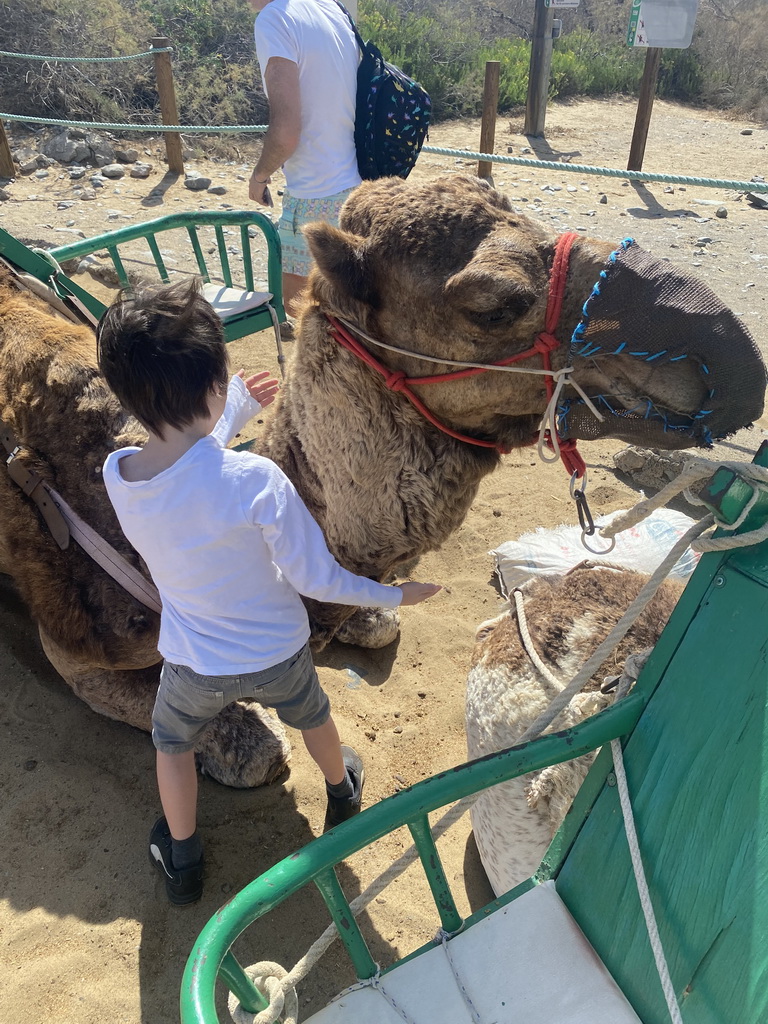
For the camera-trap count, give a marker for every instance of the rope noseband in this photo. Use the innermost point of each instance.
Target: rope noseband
(545, 343)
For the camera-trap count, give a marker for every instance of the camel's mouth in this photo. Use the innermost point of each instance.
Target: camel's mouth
(666, 363)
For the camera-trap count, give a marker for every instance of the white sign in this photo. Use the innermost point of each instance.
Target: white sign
(561, 3)
(664, 23)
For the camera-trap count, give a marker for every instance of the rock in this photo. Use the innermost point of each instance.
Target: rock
(704, 240)
(126, 156)
(65, 149)
(652, 469)
(746, 131)
(87, 194)
(75, 173)
(196, 182)
(113, 171)
(28, 166)
(721, 212)
(97, 181)
(70, 231)
(102, 152)
(217, 190)
(141, 170)
(603, 199)
(4, 195)
(65, 204)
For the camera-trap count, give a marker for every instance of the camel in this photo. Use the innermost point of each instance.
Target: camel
(567, 616)
(445, 269)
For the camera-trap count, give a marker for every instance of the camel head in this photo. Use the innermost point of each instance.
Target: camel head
(448, 269)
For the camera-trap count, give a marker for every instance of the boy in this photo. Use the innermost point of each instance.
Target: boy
(230, 546)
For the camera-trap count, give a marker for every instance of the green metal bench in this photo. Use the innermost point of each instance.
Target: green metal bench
(695, 735)
(243, 309)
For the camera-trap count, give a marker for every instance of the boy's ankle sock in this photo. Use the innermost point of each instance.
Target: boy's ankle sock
(186, 852)
(343, 790)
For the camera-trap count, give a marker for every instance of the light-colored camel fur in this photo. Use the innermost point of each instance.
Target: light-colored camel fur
(444, 268)
(567, 616)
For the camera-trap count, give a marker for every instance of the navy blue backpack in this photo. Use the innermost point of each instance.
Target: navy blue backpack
(391, 115)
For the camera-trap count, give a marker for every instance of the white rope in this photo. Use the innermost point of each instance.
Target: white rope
(270, 979)
(443, 937)
(630, 674)
(642, 884)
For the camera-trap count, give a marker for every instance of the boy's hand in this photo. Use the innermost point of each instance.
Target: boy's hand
(415, 593)
(261, 386)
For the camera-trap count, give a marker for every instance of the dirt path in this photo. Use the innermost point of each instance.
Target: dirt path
(86, 935)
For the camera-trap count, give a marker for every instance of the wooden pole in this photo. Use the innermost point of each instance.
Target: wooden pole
(490, 109)
(7, 170)
(168, 109)
(644, 108)
(538, 74)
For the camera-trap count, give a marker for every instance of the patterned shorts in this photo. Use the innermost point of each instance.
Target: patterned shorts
(298, 212)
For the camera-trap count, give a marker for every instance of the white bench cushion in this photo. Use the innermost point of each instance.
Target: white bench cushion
(528, 963)
(229, 301)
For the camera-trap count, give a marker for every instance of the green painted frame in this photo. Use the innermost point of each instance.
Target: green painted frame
(718, 974)
(235, 326)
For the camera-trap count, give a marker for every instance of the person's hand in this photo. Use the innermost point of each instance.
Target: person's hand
(415, 593)
(258, 191)
(261, 386)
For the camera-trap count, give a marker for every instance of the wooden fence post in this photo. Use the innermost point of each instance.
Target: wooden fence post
(540, 67)
(7, 170)
(644, 108)
(490, 110)
(168, 108)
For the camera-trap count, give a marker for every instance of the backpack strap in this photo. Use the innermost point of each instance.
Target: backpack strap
(358, 37)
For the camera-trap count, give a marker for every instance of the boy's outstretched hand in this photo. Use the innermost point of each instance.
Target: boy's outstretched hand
(415, 593)
(261, 386)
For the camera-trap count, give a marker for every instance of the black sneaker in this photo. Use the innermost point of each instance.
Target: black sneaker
(182, 887)
(339, 809)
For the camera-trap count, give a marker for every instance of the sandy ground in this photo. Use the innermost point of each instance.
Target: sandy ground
(86, 935)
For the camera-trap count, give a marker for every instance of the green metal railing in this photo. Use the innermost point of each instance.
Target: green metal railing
(212, 958)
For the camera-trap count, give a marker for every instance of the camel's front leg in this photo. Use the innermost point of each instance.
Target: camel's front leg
(244, 745)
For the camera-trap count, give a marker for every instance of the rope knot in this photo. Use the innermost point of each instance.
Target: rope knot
(396, 381)
(545, 343)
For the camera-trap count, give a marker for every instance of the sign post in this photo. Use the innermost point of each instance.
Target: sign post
(655, 24)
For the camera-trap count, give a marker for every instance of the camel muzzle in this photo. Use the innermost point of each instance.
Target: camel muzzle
(643, 308)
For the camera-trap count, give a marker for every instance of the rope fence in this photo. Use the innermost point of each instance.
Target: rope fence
(172, 131)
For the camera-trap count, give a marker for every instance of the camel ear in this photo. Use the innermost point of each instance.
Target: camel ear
(343, 259)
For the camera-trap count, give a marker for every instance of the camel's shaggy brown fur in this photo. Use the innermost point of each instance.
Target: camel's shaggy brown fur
(445, 268)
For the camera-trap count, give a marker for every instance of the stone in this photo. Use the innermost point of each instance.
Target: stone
(126, 156)
(603, 200)
(217, 190)
(75, 173)
(721, 212)
(4, 195)
(70, 231)
(704, 240)
(65, 149)
(196, 182)
(65, 204)
(97, 181)
(41, 174)
(28, 166)
(102, 152)
(746, 131)
(113, 171)
(141, 170)
(87, 194)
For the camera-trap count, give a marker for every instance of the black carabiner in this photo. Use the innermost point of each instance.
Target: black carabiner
(586, 521)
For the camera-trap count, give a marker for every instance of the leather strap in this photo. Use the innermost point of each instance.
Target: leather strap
(63, 522)
(33, 485)
(63, 302)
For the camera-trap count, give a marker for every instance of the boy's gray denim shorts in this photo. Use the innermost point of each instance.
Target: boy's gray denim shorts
(187, 701)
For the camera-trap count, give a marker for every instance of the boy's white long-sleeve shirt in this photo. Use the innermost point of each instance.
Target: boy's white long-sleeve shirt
(230, 546)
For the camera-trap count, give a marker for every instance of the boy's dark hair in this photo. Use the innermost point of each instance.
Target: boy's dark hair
(162, 352)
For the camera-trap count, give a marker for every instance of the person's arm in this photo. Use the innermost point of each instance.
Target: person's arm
(281, 81)
(246, 397)
(299, 550)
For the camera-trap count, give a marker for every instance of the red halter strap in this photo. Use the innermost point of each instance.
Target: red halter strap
(545, 342)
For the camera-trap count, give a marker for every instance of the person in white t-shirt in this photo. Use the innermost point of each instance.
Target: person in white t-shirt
(230, 546)
(308, 57)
